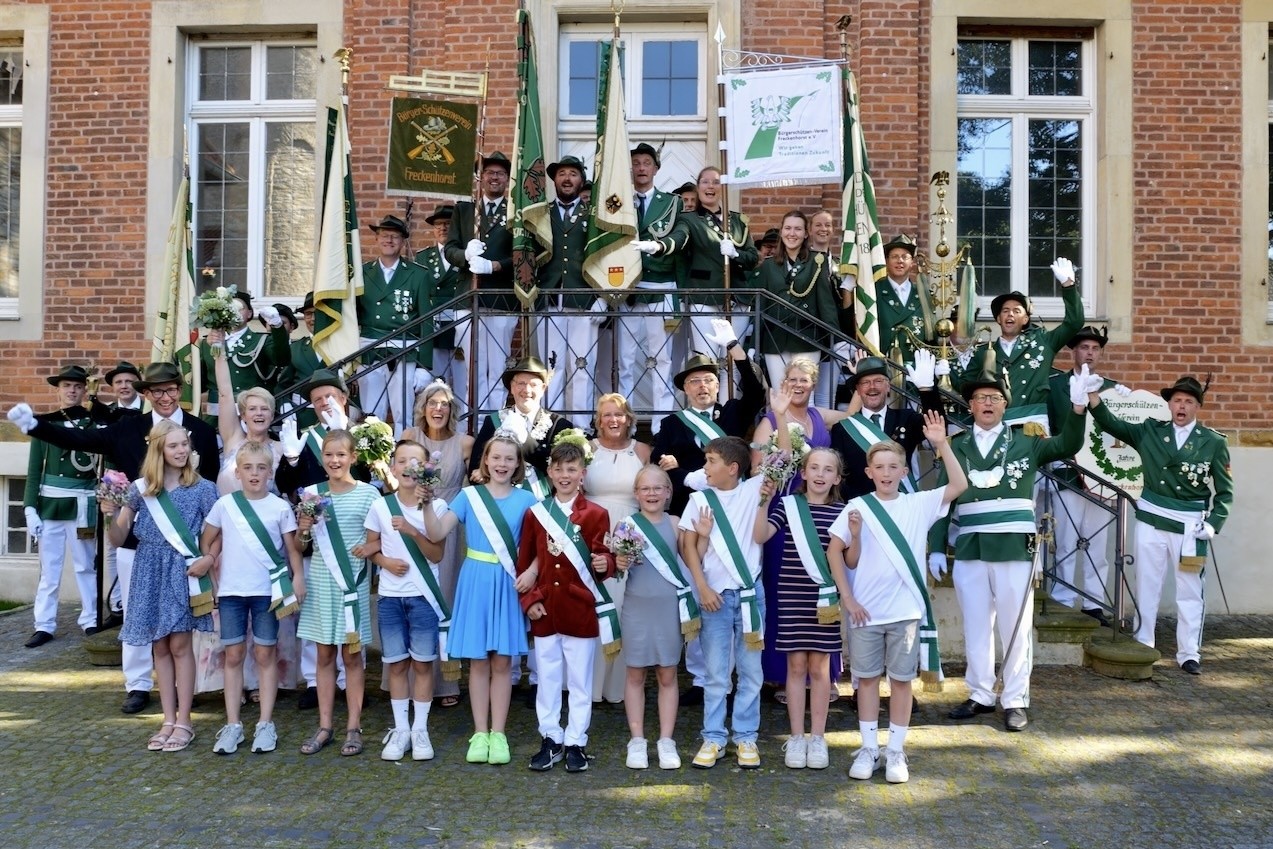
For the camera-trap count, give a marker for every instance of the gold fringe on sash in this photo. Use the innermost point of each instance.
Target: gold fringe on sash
(611, 650)
(754, 641)
(201, 604)
(690, 629)
(1192, 564)
(353, 641)
(286, 609)
(829, 615)
(932, 681)
(451, 670)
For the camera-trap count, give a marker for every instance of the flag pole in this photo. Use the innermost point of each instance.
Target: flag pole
(471, 365)
(724, 170)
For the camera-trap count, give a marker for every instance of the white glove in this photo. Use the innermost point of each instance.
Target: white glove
(728, 249)
(22, 416)
(1202, 531)
(1078, 387)
(288, 438)
(647, 246)
(843, 351)
(696, 480)
(937, 566)
(422, 379)
(942, 368)
(599, 311)
(922, 373)
(1094, 382)
(1063, 270)
(270, 316)
(334, 417)
(475, 247)
(722, 333)
(34, 525)
(848, 282)
(1122, 390)
(481, 265)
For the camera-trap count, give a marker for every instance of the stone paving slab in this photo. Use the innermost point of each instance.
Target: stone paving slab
(1176, 761)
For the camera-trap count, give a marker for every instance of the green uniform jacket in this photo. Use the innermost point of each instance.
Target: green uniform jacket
(660, 216)
(1188, 473)
(1026, 372)
(787, 329)
(911, 315)
(384, 307)
(496, 233)
(562, 268)
(258, 359)
(446, 284)
(1021, 457)
(1059, 407)
(696, 236)
(47, 460)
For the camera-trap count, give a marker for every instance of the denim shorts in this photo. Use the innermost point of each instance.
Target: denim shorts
(408, 627)
(234, 619)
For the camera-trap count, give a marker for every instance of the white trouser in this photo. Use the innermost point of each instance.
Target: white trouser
(568, 346)
(776, 365)
(828, 374)
(455, 371)
(609, 676)
(138, 662)
(309, 653)
(56, 538)
(644, 352)
(382, 390)
(991, 593)
(494, 347)
(701, 330)
(1157, 553)
(111, 581)
(565, 661)
(1078, 519)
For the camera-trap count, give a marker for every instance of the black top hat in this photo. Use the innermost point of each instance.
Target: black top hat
(987, 378)
(124, 367)
(499, 159)
(325, 377)
(901, 241)
(286, 313)
(648, 150)
(998, 302)
(697, 362)
(869, 366)
(687, 186)
(245, 297)
(391, 222)
(526, 365)
(567, 162)
(308, 303)
(444, 212)
(78, 374)
(771, 235)
(159, 373)
(1188, 385)
(1098, 336)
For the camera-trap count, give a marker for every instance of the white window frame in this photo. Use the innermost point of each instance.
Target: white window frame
(1021, 108)
(1268, 271)
(11, 117)
(6, 481)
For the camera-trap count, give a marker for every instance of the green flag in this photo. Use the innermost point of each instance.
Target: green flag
(610, 262)
(173, 340)
(863, 252)
(529, 189)
(338, 260)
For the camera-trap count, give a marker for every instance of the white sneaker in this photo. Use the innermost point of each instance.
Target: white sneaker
(818, 757)
(797, 750)
(266, 737)
(228, 739)
(895, 769)
(668, 758)
(708, 754)
(865, 763)
(421, 746)
(638, 758)
(748, 755)
(396, 741)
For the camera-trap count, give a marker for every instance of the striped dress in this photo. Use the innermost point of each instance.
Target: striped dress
(797, 594)
(323, 611)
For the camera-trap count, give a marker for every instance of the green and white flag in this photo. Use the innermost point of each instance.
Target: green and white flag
(173, 340)
(338, 260)
(782, 126)
(862, 255)
(610, 262)
(529, 188)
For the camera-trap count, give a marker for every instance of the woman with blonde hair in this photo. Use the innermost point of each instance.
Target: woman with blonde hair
(248, 419)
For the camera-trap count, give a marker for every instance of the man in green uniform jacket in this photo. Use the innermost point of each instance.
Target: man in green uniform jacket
(902, 304)
(255, 359)
(446, 281)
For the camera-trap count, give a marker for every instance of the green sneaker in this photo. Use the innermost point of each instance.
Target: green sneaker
(479, 748)
(499, 753)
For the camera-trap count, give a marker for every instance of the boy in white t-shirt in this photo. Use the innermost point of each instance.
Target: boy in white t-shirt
(408, 616)
(882, 536)
(260, 578)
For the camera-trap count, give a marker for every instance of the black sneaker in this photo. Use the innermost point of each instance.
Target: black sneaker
(549, 753)
(136, 701)
(576, 759)
(38, 639)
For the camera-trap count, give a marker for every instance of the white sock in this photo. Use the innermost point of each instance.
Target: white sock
(897, 736)
(870, 734)
(421, 715)
(400, 713)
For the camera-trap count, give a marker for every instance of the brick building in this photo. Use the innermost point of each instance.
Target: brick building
(1130, 135)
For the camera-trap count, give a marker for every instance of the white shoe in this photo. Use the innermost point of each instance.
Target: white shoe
(818, 757)
(748, 755)
(708, 754)
(638, 757)
(396, 741)
(865, 763)
(266, 737)
(895, 769)
(228, 739)
(668, 758)
(421, 747)
(797, 749)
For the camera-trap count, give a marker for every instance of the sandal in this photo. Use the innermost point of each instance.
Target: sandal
(159, 738)
(449, 701)
(174, 744)
(321, 739)
(254, 696)
(353, 743)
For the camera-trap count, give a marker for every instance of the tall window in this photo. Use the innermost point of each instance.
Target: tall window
(10, 172)
(1269, 273)
(1026, 159)
(253, 165)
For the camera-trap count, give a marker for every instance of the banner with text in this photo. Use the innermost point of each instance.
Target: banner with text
(783, 126)
(432, 147)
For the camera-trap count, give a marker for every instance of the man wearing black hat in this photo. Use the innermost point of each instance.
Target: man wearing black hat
(902, 305)
(526, 382)
(483, 245)
(305, 361)
(395, 292)
(444, 279)
(255, 359)
(1187, 497)
(122, 379)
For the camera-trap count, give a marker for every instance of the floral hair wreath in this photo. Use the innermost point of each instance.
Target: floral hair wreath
(574, 436)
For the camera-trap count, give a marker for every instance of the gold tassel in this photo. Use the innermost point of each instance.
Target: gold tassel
(611, 650)
(451, 670)
(201, 609)
(932, 681)
(690, 629)
(1192, 564)
(285, 610)
(754, 641)
(829, 615)
(1033, 429)
(353, 641)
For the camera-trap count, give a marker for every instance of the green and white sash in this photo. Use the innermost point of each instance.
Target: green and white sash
(81, 489)
(257, 540)
(566, 534)
(997, 516)
(864, 434)
(813, 556)
(730, 552)
(427, 583)
(1183, 516)
(703, 428)
(531, 481)
(495, 527)
(314, 436)
(330, 542)
(1028, 413)
(168, 519)
(893, 542)
(667, 564)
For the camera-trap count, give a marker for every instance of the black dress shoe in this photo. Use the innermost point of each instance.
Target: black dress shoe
(692, 696)
(968, 709)
(136, 701)
(93, 629)
(1190, 666)
(308, 700)
(114, 620)
(549, 753)
(38, 639)
(576, 759)
(1099, 615)
(1014, 719)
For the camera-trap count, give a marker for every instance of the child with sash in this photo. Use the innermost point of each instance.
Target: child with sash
(260, 576)
(724, 559)
(489, 626)
(410, 604)
(563, 544)
(659, 614)
(337, 610)
(170, 594)
(808, 629)
(882, 537)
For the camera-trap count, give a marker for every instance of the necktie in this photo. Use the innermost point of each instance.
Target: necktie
(640, 205)
(875, 420)
(565, 210)
(490, 209)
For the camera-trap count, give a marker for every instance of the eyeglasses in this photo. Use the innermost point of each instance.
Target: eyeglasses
(700, 381)
(438, 405)
(650, 490)
(991, 399)
(171, 392)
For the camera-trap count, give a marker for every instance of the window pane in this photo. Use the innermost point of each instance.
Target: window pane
(585, 67)
(984, 67)
(1056, 69)
(669, 84)
(1055, 193)
(289, 209)
(985, 199)
(289, 73)
(10, 183)
(221, 219)
(225, 73)
(11, 77)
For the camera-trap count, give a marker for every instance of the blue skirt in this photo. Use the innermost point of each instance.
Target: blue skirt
(487, 616)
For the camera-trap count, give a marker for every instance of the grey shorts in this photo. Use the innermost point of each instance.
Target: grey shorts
(893, 647)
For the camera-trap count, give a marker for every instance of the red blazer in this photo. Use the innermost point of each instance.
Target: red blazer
(570, 606)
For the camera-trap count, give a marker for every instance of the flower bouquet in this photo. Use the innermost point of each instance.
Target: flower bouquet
(427, 475)
(373, 445)
(313, 505)
(113, 488)
(216, 310)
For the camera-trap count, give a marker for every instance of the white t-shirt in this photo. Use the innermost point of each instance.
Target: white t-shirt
(244, 572)
(741, 504)
(380, 520)
(878, 585)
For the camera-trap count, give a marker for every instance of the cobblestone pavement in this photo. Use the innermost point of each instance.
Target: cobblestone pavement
(1176, 761)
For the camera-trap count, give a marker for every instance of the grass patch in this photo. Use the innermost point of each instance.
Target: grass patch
(5, 604)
